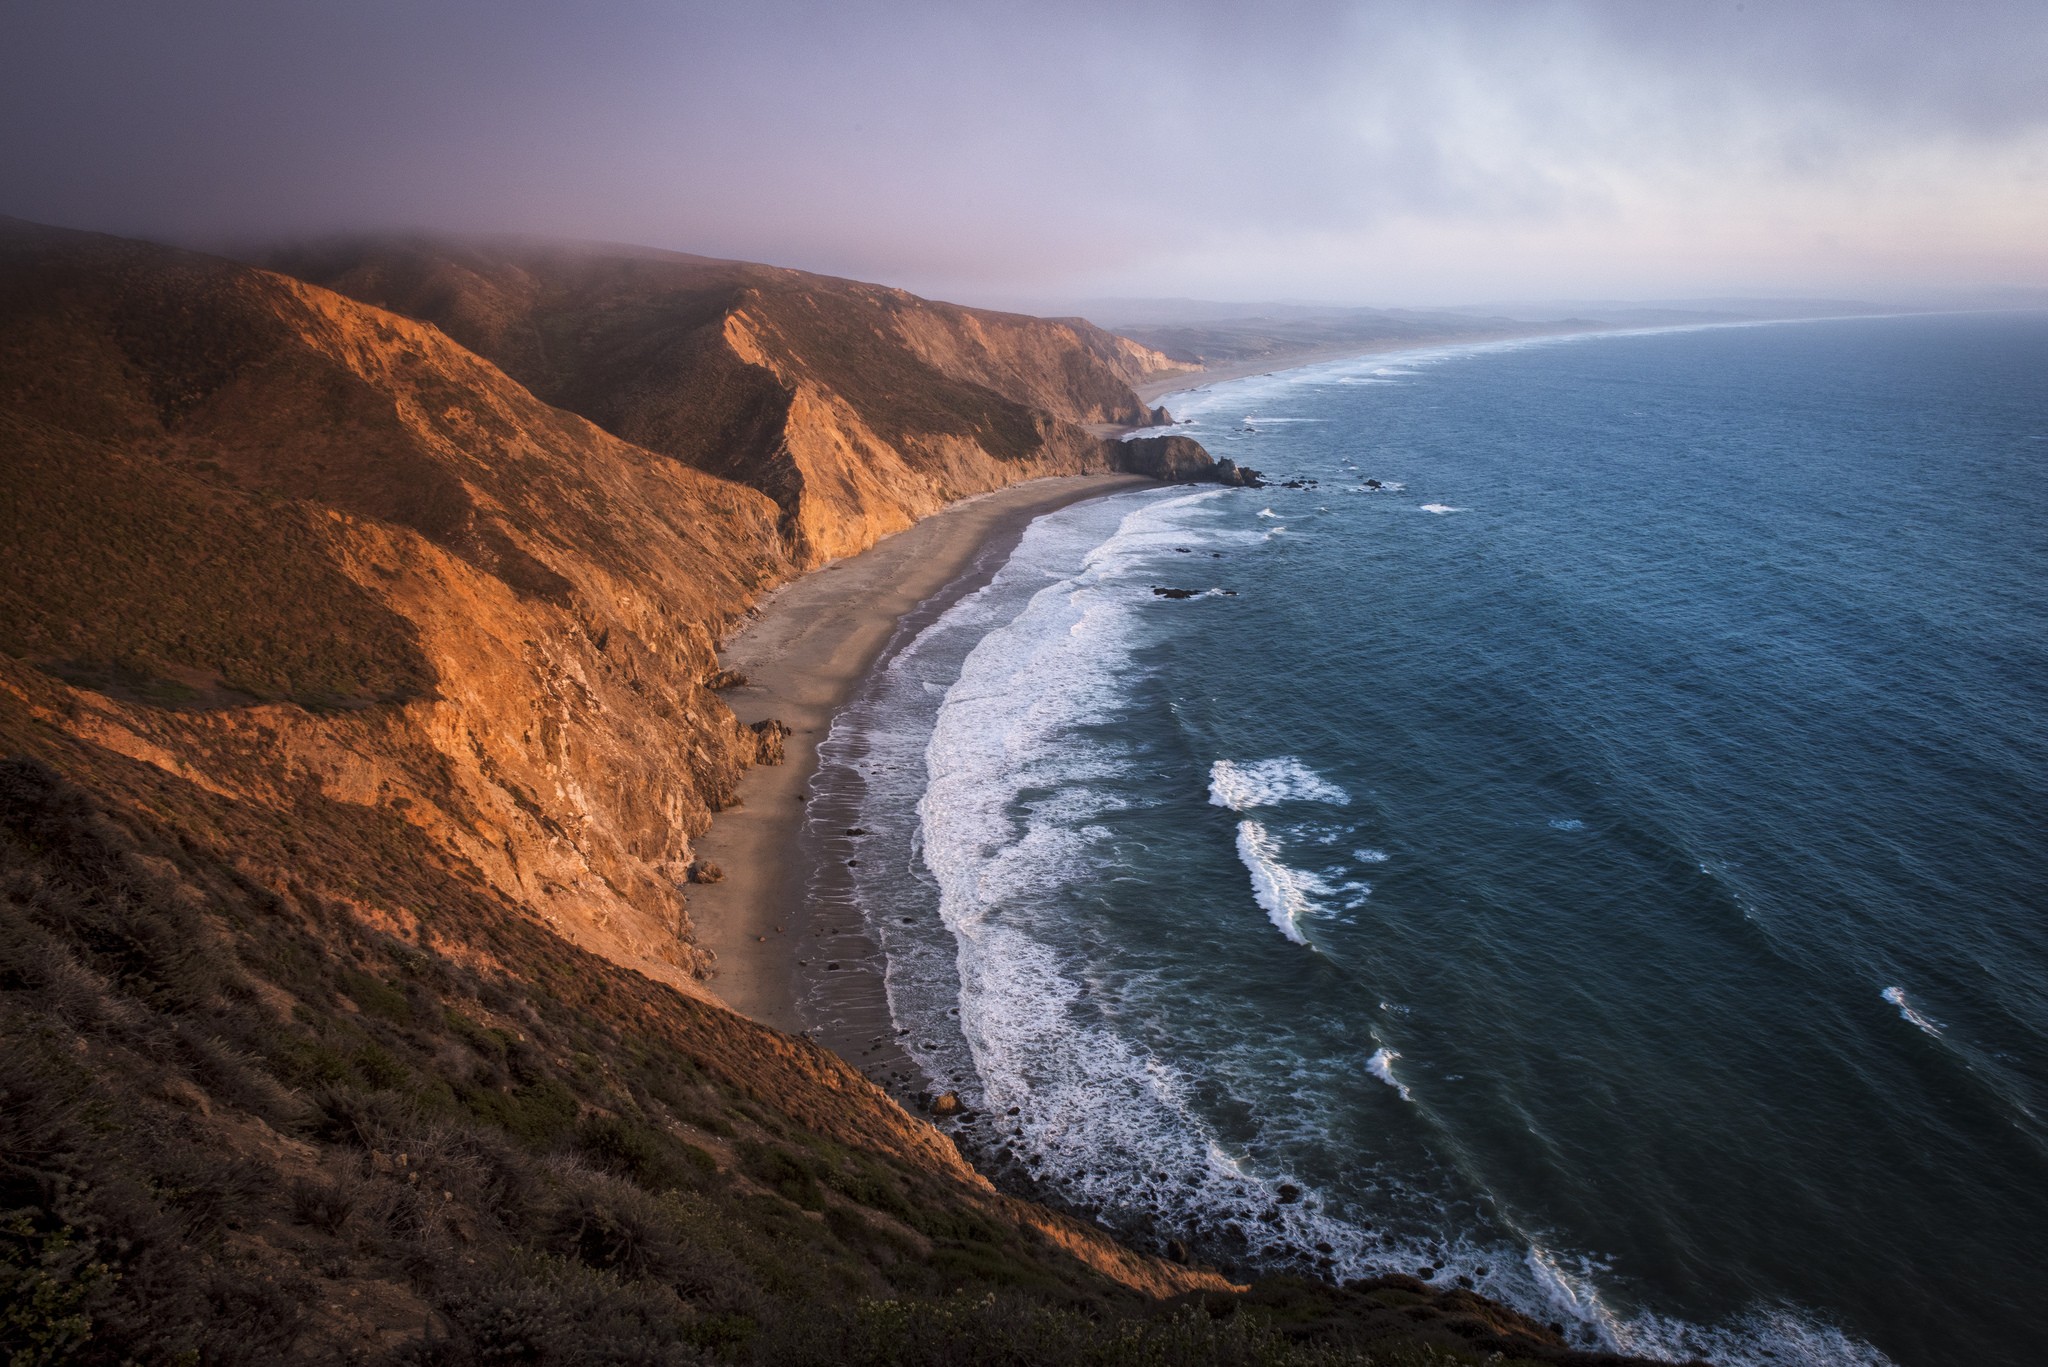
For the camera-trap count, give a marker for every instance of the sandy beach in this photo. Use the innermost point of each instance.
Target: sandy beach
(812, 642)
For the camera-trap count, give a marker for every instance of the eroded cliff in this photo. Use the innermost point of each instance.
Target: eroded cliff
(857, 408)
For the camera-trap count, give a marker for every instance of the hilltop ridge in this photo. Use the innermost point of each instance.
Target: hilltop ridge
(856, 407)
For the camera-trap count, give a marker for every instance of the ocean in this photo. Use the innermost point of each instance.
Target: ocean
(1604, 863)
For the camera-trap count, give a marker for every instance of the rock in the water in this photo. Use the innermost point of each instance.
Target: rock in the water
(1374, 484)
(1175, 459)
(1238, 476)
(1176, 593)
(1289, 1193)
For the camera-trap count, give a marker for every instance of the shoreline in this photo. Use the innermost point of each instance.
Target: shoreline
(813, 642)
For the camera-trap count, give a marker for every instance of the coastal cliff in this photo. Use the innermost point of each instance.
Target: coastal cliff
(355, 730)
(858, 409)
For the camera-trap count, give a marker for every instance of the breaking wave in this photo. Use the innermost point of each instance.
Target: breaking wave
(1897, 997)
(1287, 894)
(1268, 782)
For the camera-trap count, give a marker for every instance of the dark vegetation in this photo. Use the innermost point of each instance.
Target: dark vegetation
(130, 577)
(238, 1124)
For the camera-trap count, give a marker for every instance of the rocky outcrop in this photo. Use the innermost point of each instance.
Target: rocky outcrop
(1175, 459)
(858, 409)
(1182, 460)
(768, 738)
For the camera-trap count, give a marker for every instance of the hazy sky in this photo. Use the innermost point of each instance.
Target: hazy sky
(1431, 151)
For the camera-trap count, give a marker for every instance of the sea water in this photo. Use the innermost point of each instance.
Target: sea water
(1604, 864)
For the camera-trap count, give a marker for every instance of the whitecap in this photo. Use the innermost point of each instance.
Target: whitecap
(1265, 782)
(1381, 1066)
(1441, 508)
(1267, 512)
(1566, 823)
(1284, 892)
(1897, 997)
(1370, 856)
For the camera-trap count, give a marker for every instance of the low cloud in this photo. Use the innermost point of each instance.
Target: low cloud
(1359, 152)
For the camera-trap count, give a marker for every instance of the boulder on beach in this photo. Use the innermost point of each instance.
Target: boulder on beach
(704, 871)
(768, 738)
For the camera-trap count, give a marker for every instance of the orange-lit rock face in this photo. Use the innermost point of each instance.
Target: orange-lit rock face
(548, 595)
(858, 409)
(355, 555)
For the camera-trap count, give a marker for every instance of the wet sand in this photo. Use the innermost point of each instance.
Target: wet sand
(803, 655)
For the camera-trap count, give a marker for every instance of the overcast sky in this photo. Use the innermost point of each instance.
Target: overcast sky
(1426, 152)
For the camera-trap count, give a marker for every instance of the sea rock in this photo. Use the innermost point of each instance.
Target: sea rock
(1289, 1193)
(1176, 593)
(1238, 476)
(1174, 459)
(768, 738)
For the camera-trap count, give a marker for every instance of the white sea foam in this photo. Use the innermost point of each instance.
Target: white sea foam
(1113, 1124)
(1267, 512)
(1285, 893)
(1110, 1120)
(1381, 1066)
(1268, 782)
(1006, 822)
(1897, 997)
(1566, 823)
(1370, 856)
(1440, 508)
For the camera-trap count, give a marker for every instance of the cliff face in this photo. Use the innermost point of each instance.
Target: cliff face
(858, 409)
(356, 558)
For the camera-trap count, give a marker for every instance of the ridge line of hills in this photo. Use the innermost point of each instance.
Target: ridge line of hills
(356, 622)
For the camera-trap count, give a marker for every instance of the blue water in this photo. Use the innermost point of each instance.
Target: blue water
(1607, 866)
